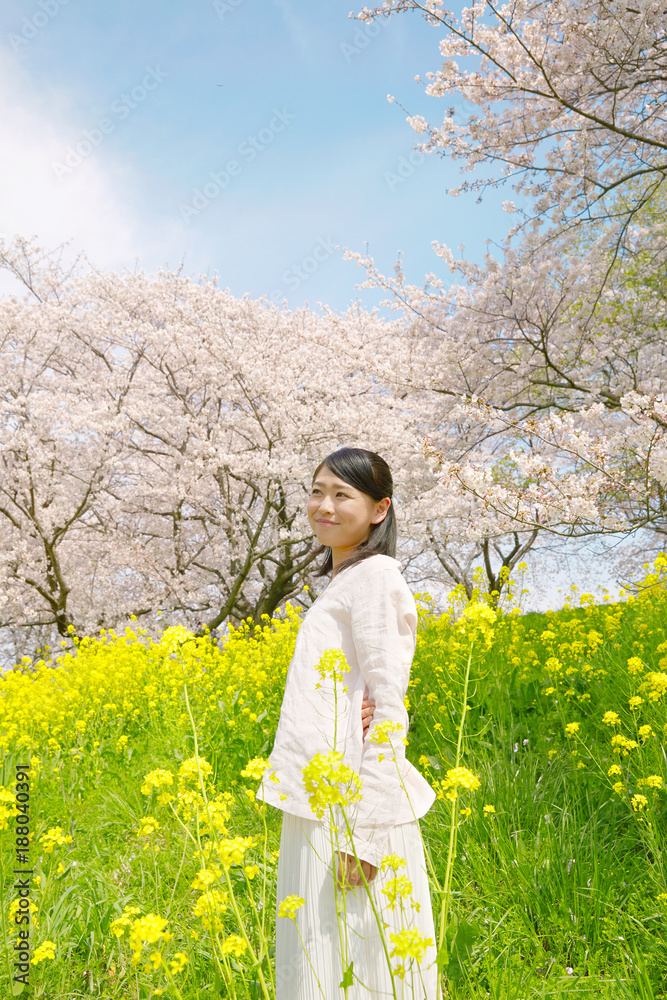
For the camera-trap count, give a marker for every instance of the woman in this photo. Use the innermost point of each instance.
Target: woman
(368, 612)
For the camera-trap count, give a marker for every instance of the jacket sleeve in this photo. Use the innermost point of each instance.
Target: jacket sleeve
(383, 618)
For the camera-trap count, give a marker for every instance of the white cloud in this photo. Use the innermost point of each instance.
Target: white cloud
(86, 205)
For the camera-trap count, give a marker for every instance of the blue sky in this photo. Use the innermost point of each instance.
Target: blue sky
(283, 101)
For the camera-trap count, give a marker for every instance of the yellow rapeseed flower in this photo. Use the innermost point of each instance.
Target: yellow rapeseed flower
(175, 637)
(611, 719)
(456, 777)
(489, 810)
(655, 685)
(461, 777)
(635, 665)
(189, 771)
(380, 732)
(8, 807)
(477, 617)
(614, 769)
(653, 781)
(147, 826)
(178, 962)
(205, 877)
(231, 850)
(638, 802)
(393, 861)
(156, 779)
(572, 728)
(120, 923)
(52, 837)
(635, 702)
(255, 768)
(595, 639)
(234, 944)
(333, 664)
(208, 907)
(147, 930)
(395, 887)
(289, 905)
(156, 959)
(410, 943)
(329, 781)
(45, 950)
(619, 741)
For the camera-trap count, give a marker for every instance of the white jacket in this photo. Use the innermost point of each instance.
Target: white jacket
(368, 611)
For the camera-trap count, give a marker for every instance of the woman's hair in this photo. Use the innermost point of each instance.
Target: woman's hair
(370, 474)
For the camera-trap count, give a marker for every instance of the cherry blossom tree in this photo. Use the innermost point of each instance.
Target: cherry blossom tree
(565, 98)
(157, 439)
(462, 534)
(553, 355)
(556, 391)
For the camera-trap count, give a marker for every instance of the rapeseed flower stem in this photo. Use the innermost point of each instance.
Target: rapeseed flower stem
(319, 984)
(253, 956)
(371, 901)
(442, 957)
(339, 894)
(4, 924)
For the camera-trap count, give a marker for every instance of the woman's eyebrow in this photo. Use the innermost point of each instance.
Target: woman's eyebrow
(338, 486)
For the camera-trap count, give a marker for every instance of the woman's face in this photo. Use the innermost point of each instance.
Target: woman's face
(340, 515)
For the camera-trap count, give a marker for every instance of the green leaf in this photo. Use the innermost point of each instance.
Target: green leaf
(462, 943)
(347, 979)
(442, 958)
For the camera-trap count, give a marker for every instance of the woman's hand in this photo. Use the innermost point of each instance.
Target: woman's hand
(367, 712)
(348, 876)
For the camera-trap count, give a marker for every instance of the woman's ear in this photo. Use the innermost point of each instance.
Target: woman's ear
(381, 511)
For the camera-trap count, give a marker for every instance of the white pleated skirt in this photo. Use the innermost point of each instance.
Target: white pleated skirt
(306, 869)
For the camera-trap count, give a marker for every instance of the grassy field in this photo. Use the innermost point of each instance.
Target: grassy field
(154, 867)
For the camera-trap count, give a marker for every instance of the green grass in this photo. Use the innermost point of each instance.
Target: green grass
(561, 892)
